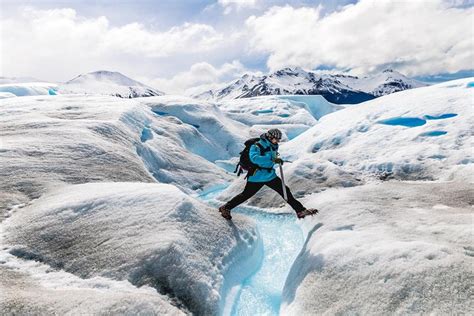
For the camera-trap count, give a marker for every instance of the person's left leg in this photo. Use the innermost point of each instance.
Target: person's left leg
(276, 185)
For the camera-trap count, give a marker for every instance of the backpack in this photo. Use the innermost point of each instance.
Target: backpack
(244, 161)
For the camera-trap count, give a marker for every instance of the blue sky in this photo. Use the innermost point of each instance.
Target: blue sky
(175, 45)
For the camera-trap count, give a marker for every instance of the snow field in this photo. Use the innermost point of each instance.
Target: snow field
(387, 248)
(292, 114)
(357, 138)
(31, 287)
(78, 139)
(147, 234)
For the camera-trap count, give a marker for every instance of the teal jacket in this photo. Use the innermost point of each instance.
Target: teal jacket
(265, 161)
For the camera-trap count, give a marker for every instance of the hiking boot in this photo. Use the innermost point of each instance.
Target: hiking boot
(303, 213)
(225, 212)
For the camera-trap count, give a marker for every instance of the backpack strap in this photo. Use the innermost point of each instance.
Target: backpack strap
(262, 153)
(237, 168)
(262, 150)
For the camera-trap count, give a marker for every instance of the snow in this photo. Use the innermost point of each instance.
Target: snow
(381, 83)
(148, 234)
(390, 248)
(4, 95)
(291, 114)
(27, 89)
(358, 139)
(222, 136)
(107, 83)
(79, 139)
(30, 287)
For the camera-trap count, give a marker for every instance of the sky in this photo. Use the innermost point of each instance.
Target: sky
(177, 45)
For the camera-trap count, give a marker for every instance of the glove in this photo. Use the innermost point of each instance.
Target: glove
(278, 160)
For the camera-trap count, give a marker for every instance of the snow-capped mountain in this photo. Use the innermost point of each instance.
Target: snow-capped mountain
(336, 88)
(108, 83)
(386, 82)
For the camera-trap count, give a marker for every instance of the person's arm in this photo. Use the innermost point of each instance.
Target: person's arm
(262, 161)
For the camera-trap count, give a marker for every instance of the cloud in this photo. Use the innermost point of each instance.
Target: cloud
(59, 42)
(230, 5)
(201, 76)
(414, 37)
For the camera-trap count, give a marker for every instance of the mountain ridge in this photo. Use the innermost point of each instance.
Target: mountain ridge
(336, 88)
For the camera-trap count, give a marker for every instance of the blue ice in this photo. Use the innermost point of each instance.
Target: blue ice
(161, 113)
(404, 121)
(437, 157)
(266, 111)
(212, 192)
(433, 133)
(314, 104)
(52, 92)
(146, 135)
(440, 117)
(294, 132)
(470, 84)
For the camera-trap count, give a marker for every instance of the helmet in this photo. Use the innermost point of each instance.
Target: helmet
(274, 133)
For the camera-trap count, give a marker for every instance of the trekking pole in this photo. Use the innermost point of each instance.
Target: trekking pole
(283, 183)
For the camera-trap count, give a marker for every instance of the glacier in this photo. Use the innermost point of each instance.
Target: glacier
(114, 200)
(21, 89)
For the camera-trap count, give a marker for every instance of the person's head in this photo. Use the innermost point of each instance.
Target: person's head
(274, 135)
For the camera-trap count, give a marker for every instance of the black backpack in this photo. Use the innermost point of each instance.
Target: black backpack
(244, 161)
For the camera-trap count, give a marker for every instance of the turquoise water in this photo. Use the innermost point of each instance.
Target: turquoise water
(415, 121)
(440, 117)
(282, 240)
(404, 121)
(433, 133)
(282, 237)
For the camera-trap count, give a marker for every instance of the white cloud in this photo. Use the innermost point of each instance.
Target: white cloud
(199, 77)
(230, 5)
(414, 37)
(59, 42)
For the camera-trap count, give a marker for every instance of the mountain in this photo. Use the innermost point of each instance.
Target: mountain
(386, 82)
(108, 83)
(336, 88)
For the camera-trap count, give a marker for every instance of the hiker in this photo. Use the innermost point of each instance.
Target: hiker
(263, 155)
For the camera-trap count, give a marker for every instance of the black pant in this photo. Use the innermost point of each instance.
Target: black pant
(252, 187)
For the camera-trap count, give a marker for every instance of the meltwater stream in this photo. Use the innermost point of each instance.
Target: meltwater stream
(260, 294)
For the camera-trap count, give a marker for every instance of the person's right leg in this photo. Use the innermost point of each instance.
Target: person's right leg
(300, 210)
(250, 189)
(277, 186)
